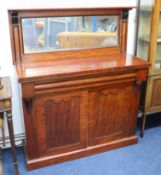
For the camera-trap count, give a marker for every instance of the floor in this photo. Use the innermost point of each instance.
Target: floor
(143, 158)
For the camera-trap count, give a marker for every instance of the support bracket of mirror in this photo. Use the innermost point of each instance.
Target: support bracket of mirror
(14, 15)
(125, 14)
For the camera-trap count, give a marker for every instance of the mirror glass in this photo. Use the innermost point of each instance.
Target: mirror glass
(69, 33)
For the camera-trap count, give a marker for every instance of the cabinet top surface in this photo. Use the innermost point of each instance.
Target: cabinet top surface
(70, 67)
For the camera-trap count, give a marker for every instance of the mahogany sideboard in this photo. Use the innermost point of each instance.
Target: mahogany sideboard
(76, 102)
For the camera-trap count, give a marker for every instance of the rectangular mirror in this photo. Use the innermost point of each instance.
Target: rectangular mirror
(50, 34)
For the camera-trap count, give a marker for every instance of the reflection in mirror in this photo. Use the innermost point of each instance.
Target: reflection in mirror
(68, 33)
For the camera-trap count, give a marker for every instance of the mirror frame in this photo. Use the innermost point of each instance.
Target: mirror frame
(15, 18)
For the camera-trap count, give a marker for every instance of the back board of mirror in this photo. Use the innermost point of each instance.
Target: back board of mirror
(38, 35)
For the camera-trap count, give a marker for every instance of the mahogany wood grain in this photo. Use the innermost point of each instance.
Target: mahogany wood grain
(12, 40)
(52, 159)
(31, 133)
(77, 103)
(105, 122)
(70, 11)
(74, 8)
(33, 13)
(62, 122)
(124, 36)
(17, 44)
(99, 95)
(79, 66)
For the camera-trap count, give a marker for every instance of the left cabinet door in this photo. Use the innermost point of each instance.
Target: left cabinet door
(60, 122)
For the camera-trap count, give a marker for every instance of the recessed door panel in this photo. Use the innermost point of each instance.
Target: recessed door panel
(61, 122)
(110, 112)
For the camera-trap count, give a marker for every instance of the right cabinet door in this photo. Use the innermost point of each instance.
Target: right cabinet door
(112, 112)
(153, 98)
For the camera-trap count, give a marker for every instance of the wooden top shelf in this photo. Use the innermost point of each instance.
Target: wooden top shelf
(80, 66)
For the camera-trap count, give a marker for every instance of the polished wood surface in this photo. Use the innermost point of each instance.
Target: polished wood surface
(103, 103)
(78, 103)
(70, 104)
(63, 122)
(52, 159)
(76, 9)
(17, 39)
(69, 67)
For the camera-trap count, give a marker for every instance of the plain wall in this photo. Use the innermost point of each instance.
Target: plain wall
(7, 69)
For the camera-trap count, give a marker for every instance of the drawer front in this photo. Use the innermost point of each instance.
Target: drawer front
(86, 83)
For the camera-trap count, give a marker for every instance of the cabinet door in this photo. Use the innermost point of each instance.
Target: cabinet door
(61, 122)
(153, 97)
(112, 113)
